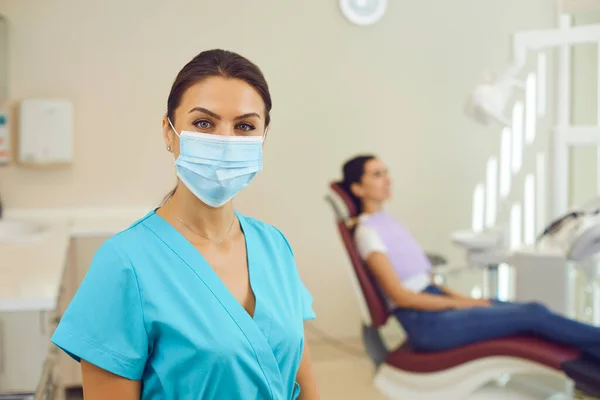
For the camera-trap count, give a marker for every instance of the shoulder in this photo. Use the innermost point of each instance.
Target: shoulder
(256, 223)
(366, 234)
(268, 233)
(368, 239)
(364, 230)
(123, 244)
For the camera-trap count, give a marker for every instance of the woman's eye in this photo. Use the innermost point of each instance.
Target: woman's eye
(245, 127)
(203, 124)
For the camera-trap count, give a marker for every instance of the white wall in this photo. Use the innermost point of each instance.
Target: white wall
(396, 89)
(583, 165)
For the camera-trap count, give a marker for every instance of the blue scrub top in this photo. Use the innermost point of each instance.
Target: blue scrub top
(152, 309)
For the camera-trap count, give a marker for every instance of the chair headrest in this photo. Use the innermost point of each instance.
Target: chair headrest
(344, 200)
(372, 305)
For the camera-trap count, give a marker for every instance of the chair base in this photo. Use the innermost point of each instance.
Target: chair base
(459, 382)
(374, 344)
(586, 374)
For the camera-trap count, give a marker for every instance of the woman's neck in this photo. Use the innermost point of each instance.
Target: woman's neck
(371, 207)
(184, 207)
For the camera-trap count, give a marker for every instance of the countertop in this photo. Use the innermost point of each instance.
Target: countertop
(31, 272)
(83, 222)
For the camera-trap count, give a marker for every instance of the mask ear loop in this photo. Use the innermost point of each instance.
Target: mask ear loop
(172, 127)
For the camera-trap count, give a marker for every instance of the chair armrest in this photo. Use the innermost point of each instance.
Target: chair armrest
(436, 259)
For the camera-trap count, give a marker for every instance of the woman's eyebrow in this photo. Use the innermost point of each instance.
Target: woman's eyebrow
(252, 114)
(205, 111)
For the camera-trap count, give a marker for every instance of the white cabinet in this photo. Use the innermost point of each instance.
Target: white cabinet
(81, 253)
(70, 370)
(24, 338)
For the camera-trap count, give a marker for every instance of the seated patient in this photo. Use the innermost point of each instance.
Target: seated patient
(434, 317)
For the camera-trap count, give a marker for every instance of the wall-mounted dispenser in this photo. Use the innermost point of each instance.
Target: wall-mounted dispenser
(45, 132)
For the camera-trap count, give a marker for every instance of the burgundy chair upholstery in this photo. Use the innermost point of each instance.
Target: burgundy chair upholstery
(407, 359)
(377, 305)
(529, 348)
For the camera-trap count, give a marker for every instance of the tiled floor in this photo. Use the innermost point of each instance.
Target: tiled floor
(345, 377)
(341, 376)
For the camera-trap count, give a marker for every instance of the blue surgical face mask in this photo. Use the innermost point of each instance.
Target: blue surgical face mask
(216, 168)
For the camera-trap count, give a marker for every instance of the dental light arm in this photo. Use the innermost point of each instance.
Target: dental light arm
(488, 100)
(541, 39)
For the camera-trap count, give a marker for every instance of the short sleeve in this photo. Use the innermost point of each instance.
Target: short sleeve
(368, 241)
(306, 298)
(307, 303)
(104, 323)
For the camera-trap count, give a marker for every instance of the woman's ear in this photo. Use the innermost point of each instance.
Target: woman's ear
(357, 190)
(167, 133)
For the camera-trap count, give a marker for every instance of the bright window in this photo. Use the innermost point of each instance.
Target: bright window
(478, 204)
(541, 85)
(530, 109)
(517, 137)
(505, 176)
(491, 192)
(515, 226)
(529, 210)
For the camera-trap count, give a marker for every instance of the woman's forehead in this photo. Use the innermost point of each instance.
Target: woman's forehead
(223, 95)
(374, 165)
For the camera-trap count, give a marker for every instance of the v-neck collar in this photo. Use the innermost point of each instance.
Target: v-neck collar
(190, 255)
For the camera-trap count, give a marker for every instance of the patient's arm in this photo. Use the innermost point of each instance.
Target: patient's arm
(388, 281)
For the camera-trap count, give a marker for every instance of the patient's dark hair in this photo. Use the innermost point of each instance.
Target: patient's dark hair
(225, 64)
(353, 171)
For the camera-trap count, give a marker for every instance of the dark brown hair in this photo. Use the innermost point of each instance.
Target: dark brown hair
(225, 64)
(353, 171)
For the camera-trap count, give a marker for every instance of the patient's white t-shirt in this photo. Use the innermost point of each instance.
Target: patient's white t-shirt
(381, 232)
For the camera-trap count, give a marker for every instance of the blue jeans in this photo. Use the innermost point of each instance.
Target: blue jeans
(444, 330)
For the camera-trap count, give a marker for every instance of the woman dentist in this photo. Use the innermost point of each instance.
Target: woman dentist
(196, 301)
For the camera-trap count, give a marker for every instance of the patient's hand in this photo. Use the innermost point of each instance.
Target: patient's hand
(481, 302)
(463, 304)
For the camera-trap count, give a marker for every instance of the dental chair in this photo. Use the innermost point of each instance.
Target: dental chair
(404, 373)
